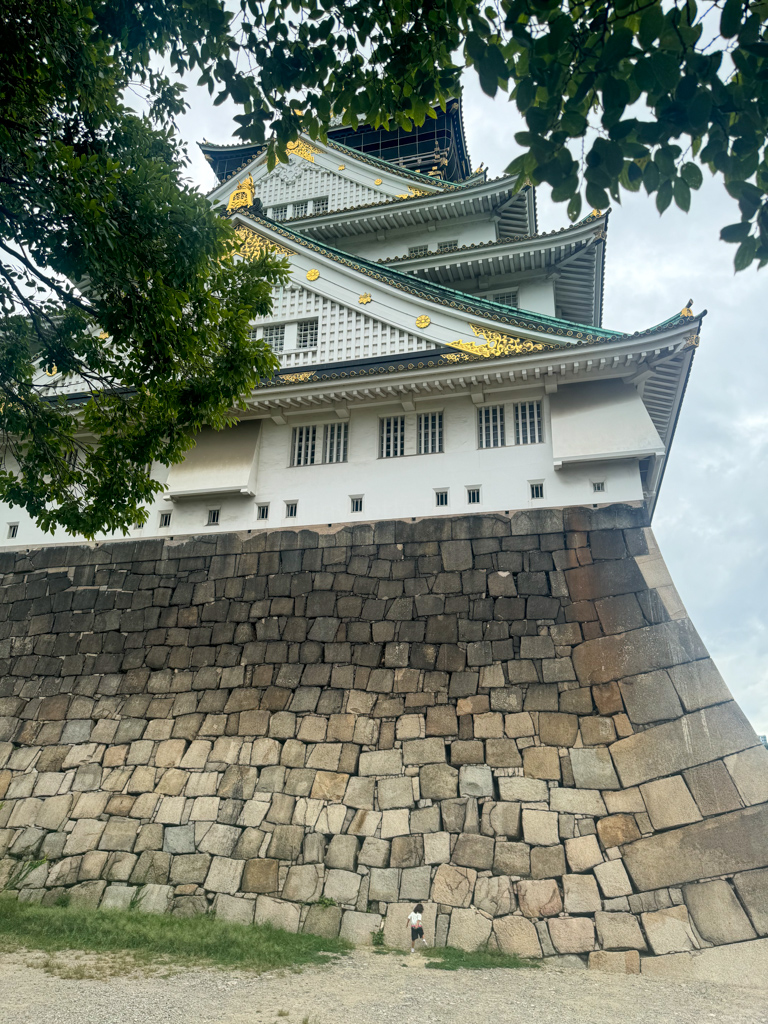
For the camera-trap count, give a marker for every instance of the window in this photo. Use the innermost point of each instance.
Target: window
(306, 335)
(262, 511)
(506, 298)
(537, 490)
(441, 498)
(391, 437)
(335, 442)
(300, 209)
(303, 446)
(447, 246)
(274, 335)
(291, 509)
(528, 423)
(320, 205)
(473, 495)
(357, 503)
(13, 530)
(165, 520)
(418, 250)
(598, 486)
(279, 213)
(430, 434)
(490, 422)
(213, 517)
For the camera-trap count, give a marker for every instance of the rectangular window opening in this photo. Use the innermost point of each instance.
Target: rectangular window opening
(13, 530)
(165, 520)
(528, 423)
(506, 299)
(280, 212)
(448, 246)
(391, 437)
(291, 509)
(490, 423)
(306, 335)
(418, 250)
(274, 335)
(303, 445)
(262, 511)
(473, 495)
(335, 442)
(320, 205)
(430, 433)
(598, 486)
(537, 490)
(213, 517)
(441, 498)
(357, 503)
(300, 209)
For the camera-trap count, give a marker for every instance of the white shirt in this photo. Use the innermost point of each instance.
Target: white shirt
(415, 919)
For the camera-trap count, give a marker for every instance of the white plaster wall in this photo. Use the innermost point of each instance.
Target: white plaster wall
(396, 243)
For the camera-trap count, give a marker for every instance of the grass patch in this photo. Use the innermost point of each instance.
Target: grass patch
(151, 937)
(449, 959)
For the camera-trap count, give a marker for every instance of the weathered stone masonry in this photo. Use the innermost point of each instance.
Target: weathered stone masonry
(509, 718)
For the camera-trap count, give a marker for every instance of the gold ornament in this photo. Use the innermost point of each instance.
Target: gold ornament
(423, 320)
(692, 341)
(252, 244)
(243, 194)
(377, 181)
(342, 167)
(686, 312)
(364, 299)
(412, 192)
(52, 372)
(297, 378)
(312, 275)
(498, 344)
(303, 149)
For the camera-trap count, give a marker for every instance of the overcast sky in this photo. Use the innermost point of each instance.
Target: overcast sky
(710, 518)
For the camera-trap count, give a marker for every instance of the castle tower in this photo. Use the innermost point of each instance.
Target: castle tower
(404, 633)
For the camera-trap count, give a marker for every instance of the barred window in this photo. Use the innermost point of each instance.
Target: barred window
(306, 335)
(490, 426)
(528, 423)
(320, 205)
(598, 486)
(441, 497)
(335, 442)
(280, 212)
(13, 530)
(391, 437)
(473, 495)
(430, 433)
(418, 250)
(262, 512)
(447, 246)
(213, 517)
(303, 446)
(291, 509)
(300, 209)
(357, 504)
(537, 490)
(506, 298)
(165, 520)
(274, 335)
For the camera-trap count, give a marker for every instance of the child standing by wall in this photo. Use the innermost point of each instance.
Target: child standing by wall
(415, 924)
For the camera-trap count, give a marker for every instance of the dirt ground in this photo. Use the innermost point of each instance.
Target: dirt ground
(363, 988)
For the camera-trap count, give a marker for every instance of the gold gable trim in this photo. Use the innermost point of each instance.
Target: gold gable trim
(243, 194)
(303, 149)
(498, 344)
(252, 244)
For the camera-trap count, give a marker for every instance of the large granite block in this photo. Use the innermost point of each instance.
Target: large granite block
(717, 913)
(643, 650)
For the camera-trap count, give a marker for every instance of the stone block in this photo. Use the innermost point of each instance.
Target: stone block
(669, 803)
(190, 867)
(540, 827)
(467, 752)
(612, 879)
(415, 883)
(473, 851)
(453, 886)
(304, 883)
(743, 964)
(620, 614)
(580, 895)
(501, 818)
(286, 842)
(699, 684)
(342, 853)
(539, 898)
(260, 875)
(556, 729)
(597, 731)
(278, 913)
(717, 914)
(438, 781)
(84, 836)
(219, 840)
(384, 884)
(323, 921)
(233, 910)
(593, 767)
(381, 762)
(359, 928)
(749, 771)
(615, 963)
(469, 930)
(604, 579)
(395, 792)
(547, 861)
(617, 830)
(359, 793)
(342, 886)
(650, 697)
(752, 887)
(712, 788)
(406, 851)
(420, 752)
(395, 823)
(154, 899)
(495, 895)
(117, 897)
(512, 859)
(668, 931)
(583, 853)
(524, 790)
(643, 650)
(516, 936)
(397, 932)
(572, 934)
(442, 721)
(475, 780)
(577, 801)
(224, 875)
(329, 786)
(86, 895)
(120, 834)
(541, 763)
(619, 931)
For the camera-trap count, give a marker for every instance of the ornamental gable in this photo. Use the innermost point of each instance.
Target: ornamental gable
(301, 182)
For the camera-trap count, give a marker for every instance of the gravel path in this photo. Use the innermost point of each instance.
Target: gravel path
(363, 988)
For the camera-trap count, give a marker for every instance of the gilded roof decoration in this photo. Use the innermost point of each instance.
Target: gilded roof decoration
(364, 298)
(252, 244)
(423, 320)
(497, 344)
(313, 274)
(243, 194)
(303, 149)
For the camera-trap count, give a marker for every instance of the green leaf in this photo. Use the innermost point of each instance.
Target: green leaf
(736, 232)
(730, 20)
(682, 194)
(651, 25)
(664, 196)
(691, 175)
(597, 197)
(745, 254)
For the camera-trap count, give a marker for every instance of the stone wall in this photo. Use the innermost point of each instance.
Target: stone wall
(507, 718)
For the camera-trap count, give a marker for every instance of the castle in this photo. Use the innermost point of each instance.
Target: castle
(404, 633)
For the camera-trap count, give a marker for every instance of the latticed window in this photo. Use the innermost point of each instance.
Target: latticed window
(165, 520)
(274, 335)
(213, 517)
(303, 446)
(356, 504)
(263, 512)
(490, 426)
(13, 530)
(306, 334)
(430, 433)
(447, 246)
(441, 497)
(391, 437)
(506, 298)
(291, 509)
(418, 250)
(280, 212)
(335, 442)
(300, 209)
(537, 490)
(320, 205)
(528, 423)
(473, 495)
(598, 486)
